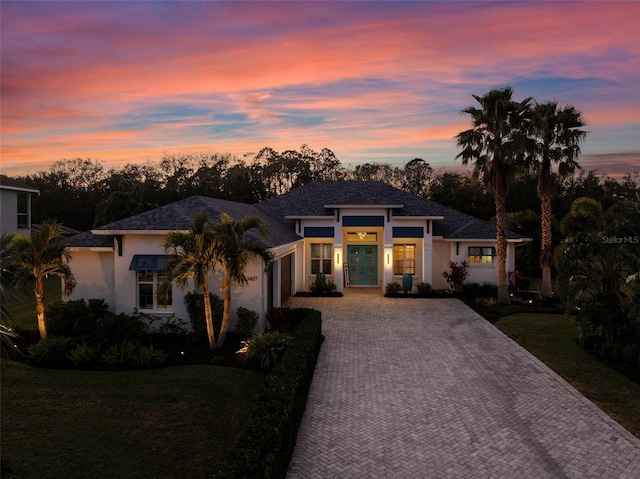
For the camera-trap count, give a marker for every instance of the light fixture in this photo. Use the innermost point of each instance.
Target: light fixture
(388, 258)
(361, 234)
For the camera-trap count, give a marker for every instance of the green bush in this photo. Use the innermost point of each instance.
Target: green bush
(51, 351)
(277, 320)
(150, 357)
(424, 288)
(84, 355)
(120, 354)
(488, 290)
(194, 303)
(75, 318)
(116, 329)
(322, 287)
(265, 350)
(393, 288)
(265, 449)
(247, 321)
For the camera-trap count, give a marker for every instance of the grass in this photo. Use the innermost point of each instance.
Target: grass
(162, 423)
(23, 306)
(551, 338)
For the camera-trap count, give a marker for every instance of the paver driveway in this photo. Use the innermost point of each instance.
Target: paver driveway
(426, 388)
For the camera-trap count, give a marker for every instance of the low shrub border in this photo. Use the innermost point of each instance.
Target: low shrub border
(266, 446)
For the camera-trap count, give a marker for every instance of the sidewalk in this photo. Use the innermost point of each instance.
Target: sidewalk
(426, 388)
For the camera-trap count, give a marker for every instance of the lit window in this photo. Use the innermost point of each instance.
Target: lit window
(321, 258)
(481, 255)
(148, 282)
(404, 259)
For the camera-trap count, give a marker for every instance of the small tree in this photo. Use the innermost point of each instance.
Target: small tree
(456, 274)
(192, 256)
(234, 248)
(36, 258)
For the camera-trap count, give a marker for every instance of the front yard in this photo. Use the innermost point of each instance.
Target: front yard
(160, 423)
(552, 339)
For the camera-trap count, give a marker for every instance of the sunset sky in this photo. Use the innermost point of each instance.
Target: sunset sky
(124, 82)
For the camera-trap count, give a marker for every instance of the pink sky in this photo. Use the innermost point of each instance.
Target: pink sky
(124, 82)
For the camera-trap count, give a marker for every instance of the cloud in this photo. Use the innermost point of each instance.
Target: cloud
(122, 81)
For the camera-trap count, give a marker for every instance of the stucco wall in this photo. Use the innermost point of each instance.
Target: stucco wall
(93, 271)
(9, 213)
(440, 257)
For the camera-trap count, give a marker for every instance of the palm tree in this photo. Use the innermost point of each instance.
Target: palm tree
(39, 256)
(496, 145)
(234, 251)
(192, 256)
(557, 135)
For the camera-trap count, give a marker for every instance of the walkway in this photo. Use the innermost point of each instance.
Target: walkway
(424, 388)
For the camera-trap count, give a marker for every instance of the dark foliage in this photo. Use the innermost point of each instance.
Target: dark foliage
(266, 446)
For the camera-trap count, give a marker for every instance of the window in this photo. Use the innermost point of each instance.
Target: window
(404, 259)
(148, 282)
(481, 255)
(321, 258)
(23, 210)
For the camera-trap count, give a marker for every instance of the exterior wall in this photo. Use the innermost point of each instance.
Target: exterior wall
(384, 242)
(458, 252)
(107, 275)
(94, 275)
(9, 213)
(441, 253)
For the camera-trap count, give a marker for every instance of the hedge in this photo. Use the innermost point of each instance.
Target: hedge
(266, 446)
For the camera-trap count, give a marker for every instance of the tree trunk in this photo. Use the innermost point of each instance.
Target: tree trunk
(42, 323)
(546, 253)
(501, 249)
(208, 315)
(227, 307)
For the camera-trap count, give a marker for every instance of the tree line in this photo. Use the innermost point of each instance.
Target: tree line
(82, 193)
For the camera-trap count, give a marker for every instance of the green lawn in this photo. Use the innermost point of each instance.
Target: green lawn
(551, 338)
(161, 423)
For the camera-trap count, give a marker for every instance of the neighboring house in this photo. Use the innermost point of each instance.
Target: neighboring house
(15, 206)
(356, 233)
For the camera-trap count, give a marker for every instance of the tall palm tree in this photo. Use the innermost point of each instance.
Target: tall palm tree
(39, 256)
(192, 257)
(557, 134)
(496, 145)
(234, 251)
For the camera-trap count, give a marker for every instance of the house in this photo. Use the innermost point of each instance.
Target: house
(15, 206)
(358, 234)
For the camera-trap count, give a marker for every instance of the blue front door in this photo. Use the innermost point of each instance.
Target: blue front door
(363, 264)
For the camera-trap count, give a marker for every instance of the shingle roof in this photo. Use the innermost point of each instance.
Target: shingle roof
(308, 200)
(89, 240)
(311, 199)
(13, 184)
(179, 216)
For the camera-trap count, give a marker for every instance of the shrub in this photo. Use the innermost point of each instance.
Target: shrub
(150, 357)
(267, 444)
(120, 354)
(84, 355)
(75, 318)
(471, 289)
(456, 274)
(393, 288)
(277, 320)
(488, 289)
(424, 288)
(168, 324)
(116, 329)
(50, 351)
(322, 287)
(194, 303)
(247, 321)
(265, 350)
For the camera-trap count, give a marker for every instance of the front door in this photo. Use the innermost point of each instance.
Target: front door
(363, 264)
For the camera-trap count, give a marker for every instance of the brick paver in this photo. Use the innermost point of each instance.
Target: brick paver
(426, 388)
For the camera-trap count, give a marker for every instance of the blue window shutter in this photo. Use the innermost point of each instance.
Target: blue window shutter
(408, 231)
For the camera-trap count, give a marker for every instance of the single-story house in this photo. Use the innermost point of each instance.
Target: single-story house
(357, 233)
